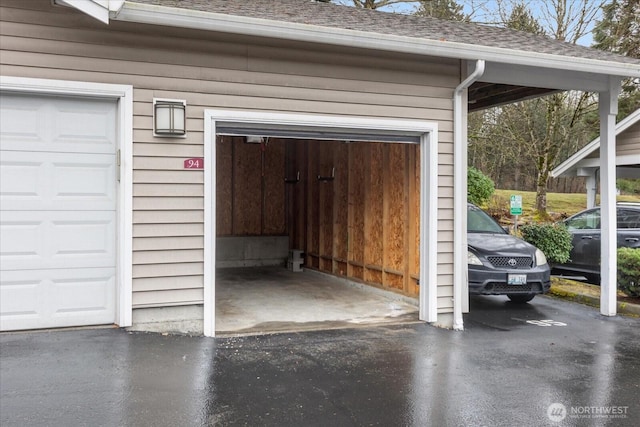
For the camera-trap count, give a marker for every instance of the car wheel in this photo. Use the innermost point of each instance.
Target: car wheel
(521, 298)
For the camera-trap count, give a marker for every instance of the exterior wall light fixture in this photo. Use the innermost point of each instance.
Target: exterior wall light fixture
(169, 118)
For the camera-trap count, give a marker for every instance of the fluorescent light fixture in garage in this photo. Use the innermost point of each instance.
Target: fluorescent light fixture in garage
(169, 117)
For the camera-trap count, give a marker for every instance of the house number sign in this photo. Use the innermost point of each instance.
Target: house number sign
(195, 163)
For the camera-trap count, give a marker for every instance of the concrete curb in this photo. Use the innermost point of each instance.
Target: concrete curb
(583, 298)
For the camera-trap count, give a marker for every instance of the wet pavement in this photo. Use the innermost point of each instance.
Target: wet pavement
(514, 365)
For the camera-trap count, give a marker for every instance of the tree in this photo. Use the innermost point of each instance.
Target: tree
(619, 32)
(521, 19)
(442, 9)
(543, 131)
(565, 20)
(619, 29)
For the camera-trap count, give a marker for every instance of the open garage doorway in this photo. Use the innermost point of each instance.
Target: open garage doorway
(352, 197)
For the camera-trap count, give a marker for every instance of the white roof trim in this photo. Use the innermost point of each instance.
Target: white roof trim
(572, 162)
(187, 18)
(623, 160)
(98, 9)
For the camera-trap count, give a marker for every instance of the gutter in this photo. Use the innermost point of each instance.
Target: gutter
(208, 21)
(460, 194)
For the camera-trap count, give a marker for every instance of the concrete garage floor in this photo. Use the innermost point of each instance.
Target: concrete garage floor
(257, 300)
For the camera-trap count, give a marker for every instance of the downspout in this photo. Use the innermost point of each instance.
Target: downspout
(460, 192)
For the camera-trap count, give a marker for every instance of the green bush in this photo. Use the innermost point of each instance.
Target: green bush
(629, 271)
(552, 239)
(628, 186)
(479, 186)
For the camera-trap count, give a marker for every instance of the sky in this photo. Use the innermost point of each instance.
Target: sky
(536, 6)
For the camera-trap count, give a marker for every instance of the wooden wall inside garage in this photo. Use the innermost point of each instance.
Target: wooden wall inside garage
(250, 187)
(363, 223)
(359, 220)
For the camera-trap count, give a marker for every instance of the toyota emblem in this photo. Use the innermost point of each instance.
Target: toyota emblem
(512, 262)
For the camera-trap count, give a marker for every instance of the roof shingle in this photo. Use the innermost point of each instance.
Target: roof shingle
(330, 15)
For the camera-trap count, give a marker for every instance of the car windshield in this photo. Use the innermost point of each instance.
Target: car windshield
(479, 222)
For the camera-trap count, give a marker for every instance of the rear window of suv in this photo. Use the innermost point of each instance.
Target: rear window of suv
(628, 218)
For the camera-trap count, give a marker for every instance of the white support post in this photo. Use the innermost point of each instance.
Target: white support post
(591, 189)
(429, 227)
(608, 265)
(209, 276)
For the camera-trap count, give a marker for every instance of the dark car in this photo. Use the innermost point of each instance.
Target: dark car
(585, 231)
(501, 264)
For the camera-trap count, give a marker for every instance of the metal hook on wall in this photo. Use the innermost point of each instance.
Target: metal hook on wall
(293, 181)
(328, 178)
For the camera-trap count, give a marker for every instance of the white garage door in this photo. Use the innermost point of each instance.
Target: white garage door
(57, 211)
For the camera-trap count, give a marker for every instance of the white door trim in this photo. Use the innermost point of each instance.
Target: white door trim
(124, 95)
(428, 135)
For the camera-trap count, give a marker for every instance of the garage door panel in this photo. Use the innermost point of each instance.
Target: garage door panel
(20, 179)
(56, 298)
(22, 123)
(21, 239)
(57, 211)
(84, 180)
(57, 181)
(19, 297)
(88, 128)
(55, 239)
(57, 125)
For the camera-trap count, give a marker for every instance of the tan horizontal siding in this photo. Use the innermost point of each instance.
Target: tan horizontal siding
(168, 150)
(445, 266)
(175, 176)
(167, 203)
(344, 66)
(159, 298)
(42, 41)
(344, 107)
(167, 230)
(170, 256)
(629, 141)
(168, 243)
(342, 63)
(168, 190)
(20, 50)
(630, 149)
(158, 163)
(167, 283)
(167, 270)
(444, 278)
(444, 292)
(445, 305)
(144, 136)
(168, 217)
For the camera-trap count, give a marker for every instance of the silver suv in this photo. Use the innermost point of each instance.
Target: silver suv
(585, 229)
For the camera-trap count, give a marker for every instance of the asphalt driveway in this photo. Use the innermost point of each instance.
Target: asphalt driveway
(549, 362)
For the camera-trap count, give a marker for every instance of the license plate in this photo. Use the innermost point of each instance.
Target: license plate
(517, 279)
